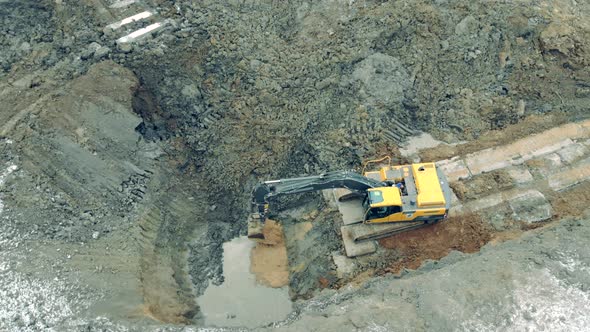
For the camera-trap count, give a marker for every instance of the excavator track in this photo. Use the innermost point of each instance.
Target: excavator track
(367, 232)
(359, 239)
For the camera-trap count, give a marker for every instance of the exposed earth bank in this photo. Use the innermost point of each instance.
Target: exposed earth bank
(538, 282)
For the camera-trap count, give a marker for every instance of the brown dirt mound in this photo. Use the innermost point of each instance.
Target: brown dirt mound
(466, 233)
(572, 202)
(269, 258)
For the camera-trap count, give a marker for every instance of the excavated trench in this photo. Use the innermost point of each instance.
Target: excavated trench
(311, 266)
(194, 238)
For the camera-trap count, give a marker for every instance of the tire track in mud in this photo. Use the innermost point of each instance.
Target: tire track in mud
(165, 226)
(159, 289)
(82, 145)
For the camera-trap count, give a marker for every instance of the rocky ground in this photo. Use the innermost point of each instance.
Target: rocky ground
(125, 167)
(536, 282)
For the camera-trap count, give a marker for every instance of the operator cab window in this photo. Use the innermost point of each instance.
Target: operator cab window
(378, 212)
(382, 212)
(375, 197)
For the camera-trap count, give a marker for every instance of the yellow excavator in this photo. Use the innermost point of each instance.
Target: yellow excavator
(407, 196)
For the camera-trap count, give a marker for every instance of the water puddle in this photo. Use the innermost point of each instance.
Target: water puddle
(240, 301)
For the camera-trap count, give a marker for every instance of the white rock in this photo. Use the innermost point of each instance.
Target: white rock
(520, 174)
(571, 153)
(530, 206)
(344, 265)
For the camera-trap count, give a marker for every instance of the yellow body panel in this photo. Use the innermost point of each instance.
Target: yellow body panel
(428, 185)
(391, 196)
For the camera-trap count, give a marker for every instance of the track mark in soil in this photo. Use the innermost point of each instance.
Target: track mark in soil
(162, 299)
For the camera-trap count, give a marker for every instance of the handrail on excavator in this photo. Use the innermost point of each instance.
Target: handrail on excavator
(365, 164)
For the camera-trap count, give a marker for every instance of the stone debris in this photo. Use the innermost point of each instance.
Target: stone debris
(418, 142)
(548, 164)
(546, 144)
(569, 177)
(484, 202)
(384, 77)
(520, 174)
(345, 266)
(455, 169)
(572, 153)
(530, 206)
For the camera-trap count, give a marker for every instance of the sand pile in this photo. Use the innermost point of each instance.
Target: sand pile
(269, 257)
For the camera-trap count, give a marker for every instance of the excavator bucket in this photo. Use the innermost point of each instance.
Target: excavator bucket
(255, 227)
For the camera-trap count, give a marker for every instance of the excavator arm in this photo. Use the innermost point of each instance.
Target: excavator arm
(266, 190)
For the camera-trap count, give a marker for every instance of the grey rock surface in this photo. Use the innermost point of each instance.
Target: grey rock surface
(531, 206)
(383, 77)
(538, 282)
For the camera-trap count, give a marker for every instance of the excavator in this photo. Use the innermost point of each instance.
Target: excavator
(405, 196)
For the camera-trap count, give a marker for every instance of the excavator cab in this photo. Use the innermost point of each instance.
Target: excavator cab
(381, 204)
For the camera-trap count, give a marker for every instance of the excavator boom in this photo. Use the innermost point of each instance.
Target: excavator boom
(266, 190)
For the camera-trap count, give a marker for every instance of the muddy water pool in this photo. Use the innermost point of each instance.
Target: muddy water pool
(240, 301)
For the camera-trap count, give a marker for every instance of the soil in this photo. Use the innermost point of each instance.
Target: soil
(468, 233)
(269, 257)
(465, 233)
(573, 202)
(517, 284)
